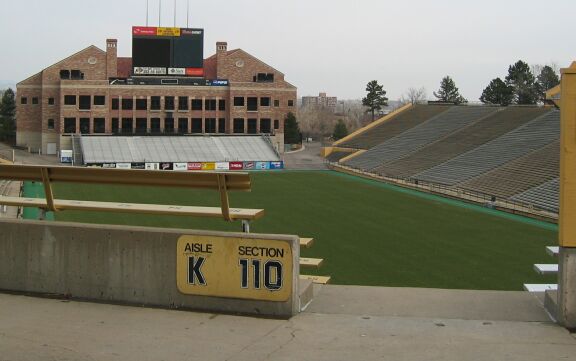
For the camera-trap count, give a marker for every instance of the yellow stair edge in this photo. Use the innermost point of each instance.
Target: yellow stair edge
(322, 280)
(311, 262)
(306, 242)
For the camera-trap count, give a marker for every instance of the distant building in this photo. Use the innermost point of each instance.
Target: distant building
(320, 101)
(95, 92)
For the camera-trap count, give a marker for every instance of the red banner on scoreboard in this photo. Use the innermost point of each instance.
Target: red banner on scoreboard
(144, 30)
(195, 71)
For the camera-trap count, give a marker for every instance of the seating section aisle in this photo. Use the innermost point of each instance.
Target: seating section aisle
(519, 175)
(336, 156)
(415, 138)
(460, 142)
(544, 196)
(390, 128)
(527, 138)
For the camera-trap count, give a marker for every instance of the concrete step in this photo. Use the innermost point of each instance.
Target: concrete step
(322, 280)
(306, 242)
(551, 303)
(553, 251)
(540, 287)
(546, 269)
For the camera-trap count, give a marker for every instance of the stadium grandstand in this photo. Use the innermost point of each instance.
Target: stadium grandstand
(507, 157)
(177, 153)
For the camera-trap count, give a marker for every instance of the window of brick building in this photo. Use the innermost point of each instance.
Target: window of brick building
(155, 103)
(238, 101)
(252, 104)
(99, 125)
(210, 125)
(290, 103)
(85, 125)
(69, 99)
(222, 104)
(127, 103)
(64, 74)
(76, 74)
(276, 124)
(99, 100)
(127, 125)
(84, 102)
(50, 101)
(169, 103)
(155, 125)
(141, 126)
(141, 104)
(222, 125)
(265, 126)
(182, 103)
(238, 125)
(196, 104)
(264, 78)
(115, 103)
(210, 104)
(169, 125)
(35, 100)
(196, 125)
(115, 125)
(50, 123)
(183, 125)
(23, 100)
(69, 125)
(265, 101)
(276, 102)
(252, 126)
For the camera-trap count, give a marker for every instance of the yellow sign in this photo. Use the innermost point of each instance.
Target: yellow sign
(168, 31)
(245, 268)
(208, 166)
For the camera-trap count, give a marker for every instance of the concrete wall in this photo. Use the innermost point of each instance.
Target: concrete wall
(133, 265)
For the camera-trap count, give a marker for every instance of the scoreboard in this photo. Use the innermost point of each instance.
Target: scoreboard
(167, 51)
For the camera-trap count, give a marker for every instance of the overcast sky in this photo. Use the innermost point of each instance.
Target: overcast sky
(335, 46)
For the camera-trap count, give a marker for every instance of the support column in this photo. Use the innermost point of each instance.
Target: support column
(567, 218)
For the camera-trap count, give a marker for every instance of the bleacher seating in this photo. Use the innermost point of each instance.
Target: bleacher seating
(336, 156)
(460, 142)
(527, 138)
(545, 196)
(519, 175)
(421, 135)
(389, 129)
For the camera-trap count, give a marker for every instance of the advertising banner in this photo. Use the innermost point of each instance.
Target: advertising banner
(144, 30)
(138, 166)
(176, 71)
(143, 70)
(262, 165)
(219, 82)
(208, 166)
(168, 31)
(249, 165)
(166, 166)
(124, 165)
(65, 156)
(109, 165)
(195, 71)
(245, 268)
(236, 165)
(181, 167)
(222, 166)
(190, 32)
(276, 165)
(152, 166)
(195, 166)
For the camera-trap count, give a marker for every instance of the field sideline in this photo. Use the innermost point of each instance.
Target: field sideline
(369, 233)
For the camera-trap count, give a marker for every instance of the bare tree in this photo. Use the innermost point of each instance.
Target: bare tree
(413, 95)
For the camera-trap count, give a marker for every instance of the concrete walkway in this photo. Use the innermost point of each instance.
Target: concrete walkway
(309, 158)
(343, 323)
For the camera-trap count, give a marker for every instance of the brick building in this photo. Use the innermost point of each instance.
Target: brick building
(94, 92)
(320, 101)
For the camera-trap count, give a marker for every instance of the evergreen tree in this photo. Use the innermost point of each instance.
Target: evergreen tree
(497, 92)
(448, 92)
(523, 83)
(547, 79)
(340, 130)
(8, 115)
(292, 133)
(375, 99)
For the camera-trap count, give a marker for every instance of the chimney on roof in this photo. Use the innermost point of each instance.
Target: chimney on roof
(111, 58)
(221, 52)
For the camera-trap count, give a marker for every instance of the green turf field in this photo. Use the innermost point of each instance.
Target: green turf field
(369, 233)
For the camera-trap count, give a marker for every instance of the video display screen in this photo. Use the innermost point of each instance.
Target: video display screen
(151, 52)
